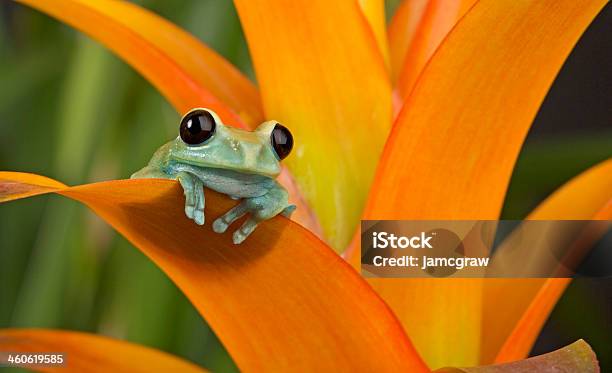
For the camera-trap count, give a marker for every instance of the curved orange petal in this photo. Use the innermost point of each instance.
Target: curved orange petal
(528, 302)
(320, 73)
(438, 19)
(451, 151)
(374, 11)
(186, 72)
(402, 31)
(91, 353)
(277, 302)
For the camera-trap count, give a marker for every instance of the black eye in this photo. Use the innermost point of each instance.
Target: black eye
(197, 126)
(282, 141)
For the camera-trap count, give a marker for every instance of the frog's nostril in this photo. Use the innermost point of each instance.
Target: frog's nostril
(250, 153)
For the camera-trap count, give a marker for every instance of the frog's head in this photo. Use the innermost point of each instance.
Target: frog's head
(204, 141)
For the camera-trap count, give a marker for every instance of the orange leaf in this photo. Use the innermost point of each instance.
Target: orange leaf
(438, 19)
(185, 71)
(91, 353)
(277, 302)
(527, 303)
(402, 31)
(451, 152)
(321, 74)
(374, 11)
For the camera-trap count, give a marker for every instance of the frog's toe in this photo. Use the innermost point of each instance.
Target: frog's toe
(198, 214)
(188, 190)
(198, 217)
(220, 226)
(287, 211)
(238, 237)
(189, 210)
(245, 230)
(189, 204)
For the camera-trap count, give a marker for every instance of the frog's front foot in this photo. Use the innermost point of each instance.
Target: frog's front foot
(260, 208)
(194, 197)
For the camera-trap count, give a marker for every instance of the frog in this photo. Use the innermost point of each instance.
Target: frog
(239, 163)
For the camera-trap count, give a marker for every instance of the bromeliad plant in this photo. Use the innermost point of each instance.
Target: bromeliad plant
(421, 121)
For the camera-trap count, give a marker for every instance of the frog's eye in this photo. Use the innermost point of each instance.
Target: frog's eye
(282, 141)
(197, 126)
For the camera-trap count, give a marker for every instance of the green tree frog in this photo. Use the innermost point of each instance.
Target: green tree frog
(241, 164)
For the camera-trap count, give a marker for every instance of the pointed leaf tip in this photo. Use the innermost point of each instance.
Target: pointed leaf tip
(16, 185)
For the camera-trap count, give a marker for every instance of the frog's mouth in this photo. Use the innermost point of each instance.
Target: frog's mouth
(246, 154)
(228, 164)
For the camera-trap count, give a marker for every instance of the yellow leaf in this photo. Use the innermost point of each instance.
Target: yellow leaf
(278, 301)
(321, 74)
(374, 11)
(87, 353)
(452, 149)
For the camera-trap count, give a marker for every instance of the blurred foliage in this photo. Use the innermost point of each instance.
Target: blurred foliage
(71, 110)
(545, 164)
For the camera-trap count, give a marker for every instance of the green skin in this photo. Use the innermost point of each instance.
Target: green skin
(238, 163)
